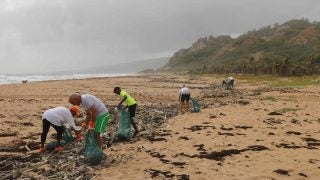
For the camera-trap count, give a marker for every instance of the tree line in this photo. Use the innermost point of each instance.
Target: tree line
(285, 66)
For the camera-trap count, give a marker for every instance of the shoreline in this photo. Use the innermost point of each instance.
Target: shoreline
(31, 78)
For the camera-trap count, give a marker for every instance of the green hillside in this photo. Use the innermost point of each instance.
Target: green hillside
(292, 48)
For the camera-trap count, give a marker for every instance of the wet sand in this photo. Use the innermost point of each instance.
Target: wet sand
(239, 134)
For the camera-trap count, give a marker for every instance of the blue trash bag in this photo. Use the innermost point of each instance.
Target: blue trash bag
(195, 105)
(124, 130)
(66, 138)
(51, 146)
(93, 153)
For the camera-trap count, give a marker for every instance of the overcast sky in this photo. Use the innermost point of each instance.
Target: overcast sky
(51, 35)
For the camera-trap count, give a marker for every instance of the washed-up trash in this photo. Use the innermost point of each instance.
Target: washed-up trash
(195, 105)
(93, 153)
(67, 135)
(73, 162)
(77, 128)
(124, 130)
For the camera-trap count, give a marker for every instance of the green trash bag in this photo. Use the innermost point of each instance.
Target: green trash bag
(66, 138)
(93, 153)
(195, 105)
(67, 135)
(124, 131)
(51, 146)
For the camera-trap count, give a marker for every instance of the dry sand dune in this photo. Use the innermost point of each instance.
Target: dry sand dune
(253, 132)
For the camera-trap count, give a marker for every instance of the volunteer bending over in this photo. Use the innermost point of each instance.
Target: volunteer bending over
(96, 113)
(56, 117)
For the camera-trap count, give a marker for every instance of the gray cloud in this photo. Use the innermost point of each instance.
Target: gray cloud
(37, 35)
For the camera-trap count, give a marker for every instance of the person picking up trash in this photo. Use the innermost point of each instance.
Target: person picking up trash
(131, 105)
(228, 83)
(56, 117)
(96, 113)
(184, 98)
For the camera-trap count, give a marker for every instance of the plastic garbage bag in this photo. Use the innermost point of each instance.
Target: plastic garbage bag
(124, 130)
(51, 146)
(67, 135)
(66, 138)
(195, 105)
(93, 152)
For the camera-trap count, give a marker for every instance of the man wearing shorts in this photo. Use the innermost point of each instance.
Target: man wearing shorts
(131, 105)
(184, 98)
(96, 113)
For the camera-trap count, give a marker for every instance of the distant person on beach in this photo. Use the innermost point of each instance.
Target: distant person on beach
(131, 105)
(56, 117)
(228, 83)
(97, 115)
(184, 98)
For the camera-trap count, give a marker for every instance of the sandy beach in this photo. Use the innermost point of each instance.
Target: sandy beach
(251, 132)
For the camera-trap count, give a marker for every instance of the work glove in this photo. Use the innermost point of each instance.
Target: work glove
(92, 124)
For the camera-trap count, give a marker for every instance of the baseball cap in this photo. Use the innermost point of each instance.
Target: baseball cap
(75, 109)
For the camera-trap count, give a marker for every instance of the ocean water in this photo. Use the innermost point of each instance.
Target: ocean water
(11, 79)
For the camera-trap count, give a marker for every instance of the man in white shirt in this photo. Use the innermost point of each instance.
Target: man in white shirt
(97, 115)
(56, 117)
(230, 79)
(184, 98)
(228, 83)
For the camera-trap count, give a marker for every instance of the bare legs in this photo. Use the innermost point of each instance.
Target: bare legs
(134, 125)
(184, 106)
(99, 139)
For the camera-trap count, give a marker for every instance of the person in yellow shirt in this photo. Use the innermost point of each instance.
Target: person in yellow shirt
(131, 105)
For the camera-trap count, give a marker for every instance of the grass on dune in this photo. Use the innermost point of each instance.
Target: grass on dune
(280, 82)
(293, 82)
(270, 98)
(275, 99)
(284, 110)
